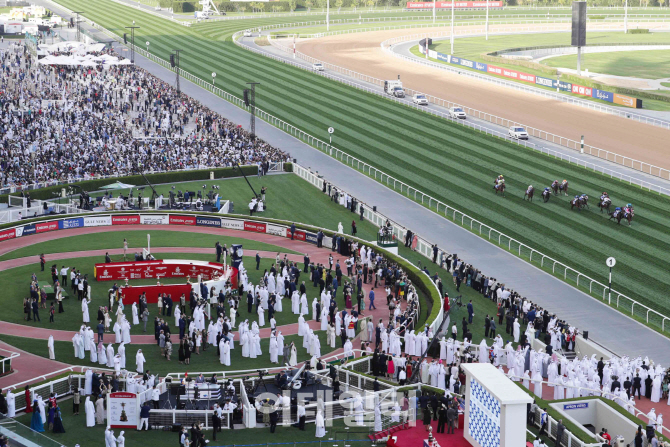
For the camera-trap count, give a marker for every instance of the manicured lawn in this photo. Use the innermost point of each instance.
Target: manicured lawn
(652, 64)
(17, 283)
(453, 164)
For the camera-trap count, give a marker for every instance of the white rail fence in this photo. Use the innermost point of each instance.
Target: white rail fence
(569, 274)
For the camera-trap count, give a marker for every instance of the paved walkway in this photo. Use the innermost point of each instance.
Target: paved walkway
(607, 326)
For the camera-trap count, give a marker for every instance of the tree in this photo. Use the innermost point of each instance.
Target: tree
(338, 5)
(371, 3)
(292, 4)
(260, 6)
(309, 5)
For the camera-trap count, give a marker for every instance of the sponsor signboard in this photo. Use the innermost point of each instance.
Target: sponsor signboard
(577, 406)
(628, 101)
(232, 224)
(310, 237)
(277, 230)
(208, 221)
(444, 57)
(603, 95)
(46, 226)
(299, 235)
(257, 227)
(28, 230)
(97, 221)
(581, 90)
(448, 5)
(19, 231)
(565, 86)
(545, 82)
(327, 241)
(126, 220)
(155, 269)
(182, 220)
(71, 223)
(122, 411)
(7, 234)
(154, 219)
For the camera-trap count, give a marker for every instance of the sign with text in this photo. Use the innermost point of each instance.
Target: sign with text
(448, 5)
(577, 406)
(126, 220)
(122, 410)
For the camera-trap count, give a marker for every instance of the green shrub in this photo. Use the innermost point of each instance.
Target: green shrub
(638, 31)
(587, 82)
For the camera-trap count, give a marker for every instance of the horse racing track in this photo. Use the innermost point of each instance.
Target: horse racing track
(451, 163)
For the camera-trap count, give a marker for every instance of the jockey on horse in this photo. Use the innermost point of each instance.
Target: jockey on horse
(554, 186)
(529, 193)
(584, 200)
(576, 202)
(499, 185)
(628, 212)
(605, 202)
(564, 187)
(546, 194)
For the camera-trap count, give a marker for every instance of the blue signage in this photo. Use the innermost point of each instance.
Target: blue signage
(602, 95)
(545, 82)
(577, 406)
(310, 237)
(208, 221)
(442, 57)
(29, 229)
(70, 223)
(565, 86)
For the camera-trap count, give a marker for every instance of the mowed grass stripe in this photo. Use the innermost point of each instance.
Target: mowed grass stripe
(451, 163)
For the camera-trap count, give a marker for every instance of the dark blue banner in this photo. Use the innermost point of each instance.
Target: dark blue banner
(545, 82)
(208, 221)
(29, 229)
(442, 57)
(310, 237)
(71, 223)
(602, 95)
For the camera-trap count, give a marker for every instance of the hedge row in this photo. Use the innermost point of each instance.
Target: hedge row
(158, 178)
(574, 79)
(420, 280)
(519, 62)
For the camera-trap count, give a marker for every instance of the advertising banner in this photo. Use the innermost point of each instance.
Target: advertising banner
(299, 235)
(122, 410)
(628, 101)
(126, 220)
(232, 224)
(327, 241)
(132, 294)
(577, 406)
(28, 230)
(444, 57)
(96, 221)
(310, 237)
(46, 226)
(182, 220)
(154, 219)
(7, 234)
(565, 86)
(581, 90)
(277, 230)
(19, 231)
(603, 95)
(545, 82)
(256, 227)
(155, 269)
(448, 5)
(71, 223)
(208, 221)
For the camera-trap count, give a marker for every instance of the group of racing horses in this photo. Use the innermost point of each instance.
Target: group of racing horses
(579, 201)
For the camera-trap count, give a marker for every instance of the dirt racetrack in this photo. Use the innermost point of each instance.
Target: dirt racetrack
(361, 52)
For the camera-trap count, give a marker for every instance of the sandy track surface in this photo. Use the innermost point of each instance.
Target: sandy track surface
(361, 52)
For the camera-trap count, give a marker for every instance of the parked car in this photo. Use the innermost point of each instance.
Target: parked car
(420, 99)
(317, 66)
(518, 133)
(247, 33)
(457, 113)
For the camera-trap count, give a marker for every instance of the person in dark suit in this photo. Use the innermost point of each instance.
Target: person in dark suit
(434, 404)
(219, 251)
(627, 385)
(258, 261)
(101, 331)
(108, 259)
(292, 234)
(487, 326)
(274, 417)
(250, 302)
(168, 305)
(442, 419)
(637, 386)
(452, 414)
(306, 262)
(36, 311)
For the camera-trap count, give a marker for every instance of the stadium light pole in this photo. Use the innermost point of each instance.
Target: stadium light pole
(78, 26)
(434, 9)
(132, 41)
(625, 17)
(453, 8)
(327, 15)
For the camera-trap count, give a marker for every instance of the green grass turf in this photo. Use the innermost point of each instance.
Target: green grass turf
(652, 64)
(452, 163)
(16, 289)
(78, 433)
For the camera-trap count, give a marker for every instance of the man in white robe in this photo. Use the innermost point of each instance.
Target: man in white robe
(122, 355)
(139, 361)
(84, 309)
(125, 331)
(304, 310)
(656, 389)
(90, 412)
(224, 349)
(50, 345)
(301, 325)
(88, 382)
(261, 316)
(274, 350)
(483, 351)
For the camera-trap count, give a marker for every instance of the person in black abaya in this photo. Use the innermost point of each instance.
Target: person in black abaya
(3, 403)
(375, 363)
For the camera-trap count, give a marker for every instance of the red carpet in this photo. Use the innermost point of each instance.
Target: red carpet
(413, 437)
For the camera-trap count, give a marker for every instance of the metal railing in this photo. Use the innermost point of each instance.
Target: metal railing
(6, 361)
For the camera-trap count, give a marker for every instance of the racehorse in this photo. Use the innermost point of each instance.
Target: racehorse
(605, 204)
(500, 188)
(584, 201)
(564, 187)
(628, 214)
(576, 202)
(529, 193)
(546, 194)
(616, 214)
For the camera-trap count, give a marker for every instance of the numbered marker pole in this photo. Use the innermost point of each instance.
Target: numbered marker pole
(611, 262)
(331, 131)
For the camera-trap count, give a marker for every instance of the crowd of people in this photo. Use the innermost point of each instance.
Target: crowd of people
(76, 122)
